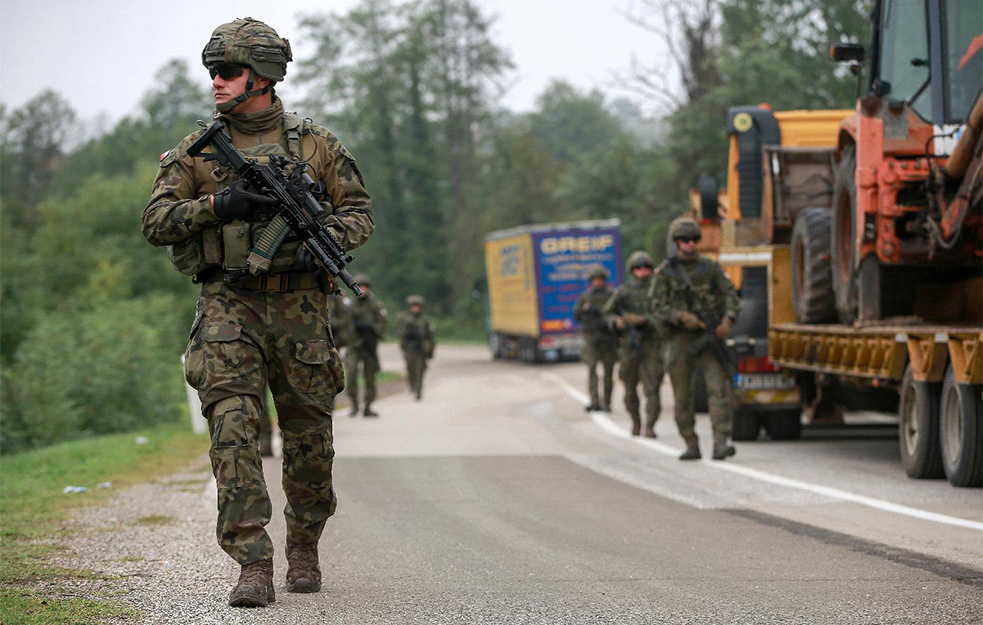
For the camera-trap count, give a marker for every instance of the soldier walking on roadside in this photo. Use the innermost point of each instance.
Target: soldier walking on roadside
(271, 328)
(686, 286)
(368, 323)
(416, 340)
(640, 355)
(600, 341)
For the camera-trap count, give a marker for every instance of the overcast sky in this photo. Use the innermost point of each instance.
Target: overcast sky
(102, 54)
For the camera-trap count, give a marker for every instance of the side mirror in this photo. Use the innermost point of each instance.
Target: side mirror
(848, 52)
(708, 189)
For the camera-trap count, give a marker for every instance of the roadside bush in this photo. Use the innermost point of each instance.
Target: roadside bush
(110, 369)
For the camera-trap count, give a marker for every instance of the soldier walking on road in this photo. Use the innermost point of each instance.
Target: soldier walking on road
(270, 328)
(600, 341)
(629, 311)
(368, 322)
(686, 287)
(416, 340)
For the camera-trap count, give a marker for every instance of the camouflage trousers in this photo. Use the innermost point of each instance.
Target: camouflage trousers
(680, 365)
(369, 360)
(605, 351)
(242, 341)
(416, 365)
(644, 364)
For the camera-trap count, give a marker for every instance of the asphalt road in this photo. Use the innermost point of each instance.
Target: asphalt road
(497, 499)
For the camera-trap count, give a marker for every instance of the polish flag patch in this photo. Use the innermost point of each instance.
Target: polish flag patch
(163, 155)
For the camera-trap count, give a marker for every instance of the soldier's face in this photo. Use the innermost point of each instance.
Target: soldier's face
(641, 273)
(598, 282)
(228, 83)
(416, 309)
(687, 247)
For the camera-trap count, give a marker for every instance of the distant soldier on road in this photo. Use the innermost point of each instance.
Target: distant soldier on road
(416, 339)
(629, 311)
(600, 341)
(368, 325)
(686, 288)
(254, 329)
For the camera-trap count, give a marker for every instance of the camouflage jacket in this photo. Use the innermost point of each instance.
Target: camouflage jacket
(711, 289)
(416, 334)
(368, 317)
(589, 311)
(633, 297)
(179, 214)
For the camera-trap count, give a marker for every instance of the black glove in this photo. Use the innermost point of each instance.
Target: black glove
(305, 259)
(239, 201)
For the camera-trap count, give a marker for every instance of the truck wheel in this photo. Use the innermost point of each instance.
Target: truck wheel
(812, 278)
(747, 426)
(918, 429)
(843, 236)
(784, 425)
(959, 428)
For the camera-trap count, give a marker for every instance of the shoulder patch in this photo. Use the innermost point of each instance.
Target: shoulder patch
(163, 155)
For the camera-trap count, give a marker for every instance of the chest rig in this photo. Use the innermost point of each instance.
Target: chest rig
(241, 248)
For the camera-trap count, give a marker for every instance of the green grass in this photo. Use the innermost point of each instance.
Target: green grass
(155, 520)
(33, 513)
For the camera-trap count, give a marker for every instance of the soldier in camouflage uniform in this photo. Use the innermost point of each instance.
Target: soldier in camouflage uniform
(368, 320)
(269, 328)
(684, 285)
(600, 342)
(416, 340)
(640, 355)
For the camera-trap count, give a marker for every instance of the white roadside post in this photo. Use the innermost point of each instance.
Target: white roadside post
(198, 425)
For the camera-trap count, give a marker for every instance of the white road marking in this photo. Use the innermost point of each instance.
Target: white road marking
(612, 428)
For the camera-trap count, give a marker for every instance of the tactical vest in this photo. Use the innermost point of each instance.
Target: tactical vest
(228, 244)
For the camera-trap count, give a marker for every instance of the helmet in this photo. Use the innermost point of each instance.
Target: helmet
(414, 300)
(640, 259)
(251, 43)
(363, 280)
(598, 271)
(683, 227)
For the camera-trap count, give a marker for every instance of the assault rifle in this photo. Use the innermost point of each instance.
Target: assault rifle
(707, 337)
(298, 207)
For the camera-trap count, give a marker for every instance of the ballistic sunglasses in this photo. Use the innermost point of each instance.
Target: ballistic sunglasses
(227, 71)
(687, 239)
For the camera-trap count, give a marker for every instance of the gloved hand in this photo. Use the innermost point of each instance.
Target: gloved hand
(724, 328)
(691, 321)
(619, 323)
(305, 259)
(240, 201)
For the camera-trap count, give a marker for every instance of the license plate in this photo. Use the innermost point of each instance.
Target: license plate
(763, 381)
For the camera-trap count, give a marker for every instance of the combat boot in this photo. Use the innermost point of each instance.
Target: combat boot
(592, 407)
(722, 450)
(266, 448)
(369, 412)
(255, 586)
(692, 453)
(354, 412)
(636, 425)
(650, 433)
(303, 569)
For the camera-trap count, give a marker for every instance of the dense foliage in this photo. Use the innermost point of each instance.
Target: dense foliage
(94, 319)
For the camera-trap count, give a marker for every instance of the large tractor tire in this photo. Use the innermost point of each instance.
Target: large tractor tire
(843, 236)
(960, 422)
(812, 278)
(918, 430)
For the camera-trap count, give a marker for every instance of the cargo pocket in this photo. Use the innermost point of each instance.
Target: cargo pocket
(316, 369)
(212, 357)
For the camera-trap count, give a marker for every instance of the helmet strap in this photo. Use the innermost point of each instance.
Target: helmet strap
(248, 93)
